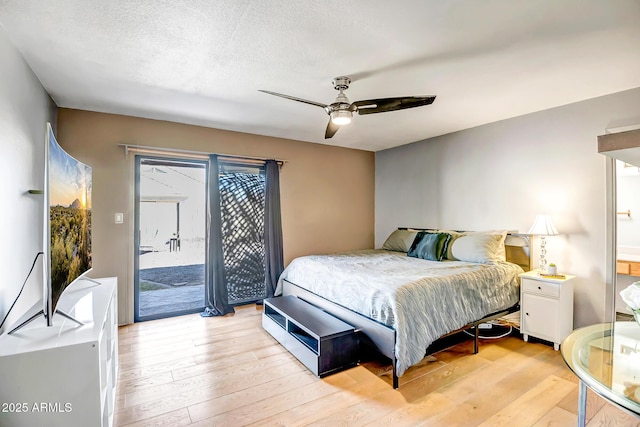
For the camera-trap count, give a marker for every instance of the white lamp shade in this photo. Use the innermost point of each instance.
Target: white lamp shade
(543, 226)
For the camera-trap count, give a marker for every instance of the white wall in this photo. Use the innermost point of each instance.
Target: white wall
(25, 108)
(502, 174)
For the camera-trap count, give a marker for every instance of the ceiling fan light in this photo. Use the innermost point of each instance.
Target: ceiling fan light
(341, 117)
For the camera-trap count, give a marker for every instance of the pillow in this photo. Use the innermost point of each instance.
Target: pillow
(501, 252)
(430, 246)
(454, 235)
(400, 241)
(476, 247)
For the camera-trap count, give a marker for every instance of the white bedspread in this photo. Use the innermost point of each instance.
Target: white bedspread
(422, 300)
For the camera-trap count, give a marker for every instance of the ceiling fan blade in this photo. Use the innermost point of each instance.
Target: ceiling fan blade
(332, 128)
(293, 98)
(383, 105)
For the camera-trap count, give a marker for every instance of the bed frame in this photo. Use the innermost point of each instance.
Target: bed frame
(382, 337)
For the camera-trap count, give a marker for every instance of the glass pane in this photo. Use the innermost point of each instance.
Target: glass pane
(242, 199)
(171, 253)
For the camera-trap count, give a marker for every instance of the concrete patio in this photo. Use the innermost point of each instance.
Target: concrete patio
(175, 279)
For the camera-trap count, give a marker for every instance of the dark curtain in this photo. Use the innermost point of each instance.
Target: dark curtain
(216, 294)
(274, 263)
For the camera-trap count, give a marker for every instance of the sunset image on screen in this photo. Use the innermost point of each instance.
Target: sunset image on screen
(69, 218)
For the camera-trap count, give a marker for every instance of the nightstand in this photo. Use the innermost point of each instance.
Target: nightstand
(546, 307)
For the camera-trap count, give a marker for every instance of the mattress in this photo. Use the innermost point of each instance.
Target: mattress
(421, 300)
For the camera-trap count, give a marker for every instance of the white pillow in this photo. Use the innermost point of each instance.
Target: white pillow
(481, 248)
(400, 241)
(501, 252)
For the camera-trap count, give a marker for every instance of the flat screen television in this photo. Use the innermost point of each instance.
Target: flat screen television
(66, 231)
(67, 222)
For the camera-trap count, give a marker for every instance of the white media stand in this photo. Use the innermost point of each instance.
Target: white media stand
(66, 374)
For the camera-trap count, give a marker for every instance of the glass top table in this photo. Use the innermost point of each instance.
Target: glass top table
(606, 358)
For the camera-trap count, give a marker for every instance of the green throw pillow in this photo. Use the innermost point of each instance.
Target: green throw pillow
(430, 246)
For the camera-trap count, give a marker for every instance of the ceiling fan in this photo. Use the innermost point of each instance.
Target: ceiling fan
(341, 110)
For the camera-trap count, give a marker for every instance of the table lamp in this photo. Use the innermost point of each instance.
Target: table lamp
(543, 226)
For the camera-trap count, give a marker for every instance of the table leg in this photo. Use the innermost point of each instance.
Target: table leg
(582, 405)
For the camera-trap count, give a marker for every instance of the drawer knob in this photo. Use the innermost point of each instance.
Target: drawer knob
(539, 288)
(527, 314)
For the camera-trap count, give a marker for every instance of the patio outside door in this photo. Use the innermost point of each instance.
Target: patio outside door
(170, 219)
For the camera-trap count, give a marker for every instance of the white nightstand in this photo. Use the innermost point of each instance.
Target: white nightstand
(546, 307)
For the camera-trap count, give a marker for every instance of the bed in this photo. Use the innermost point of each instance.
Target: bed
(401, 303)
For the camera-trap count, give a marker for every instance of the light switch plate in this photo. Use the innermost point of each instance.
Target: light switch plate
(119, 217)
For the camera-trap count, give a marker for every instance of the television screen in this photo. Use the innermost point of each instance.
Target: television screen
(69, 221)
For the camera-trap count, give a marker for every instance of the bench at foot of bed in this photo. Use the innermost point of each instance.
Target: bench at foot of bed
(322, 342)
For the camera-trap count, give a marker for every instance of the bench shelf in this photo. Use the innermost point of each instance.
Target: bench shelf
(322, 342)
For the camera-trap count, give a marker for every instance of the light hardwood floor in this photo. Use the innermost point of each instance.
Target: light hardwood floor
(228, 371)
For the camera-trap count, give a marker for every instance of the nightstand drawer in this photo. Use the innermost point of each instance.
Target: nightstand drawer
(540, 288)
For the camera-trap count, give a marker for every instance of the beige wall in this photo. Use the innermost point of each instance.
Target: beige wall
(327, 193)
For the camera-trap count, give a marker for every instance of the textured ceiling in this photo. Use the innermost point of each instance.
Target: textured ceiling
(202, 62)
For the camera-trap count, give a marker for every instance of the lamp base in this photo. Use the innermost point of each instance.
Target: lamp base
(543, 252)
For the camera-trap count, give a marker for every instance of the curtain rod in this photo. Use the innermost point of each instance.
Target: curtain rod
(201, 155)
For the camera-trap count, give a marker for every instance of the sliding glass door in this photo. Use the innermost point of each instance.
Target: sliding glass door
(170, 243)
(171, 197)
(242, 203)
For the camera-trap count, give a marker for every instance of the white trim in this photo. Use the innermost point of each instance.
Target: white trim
(621, 129)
